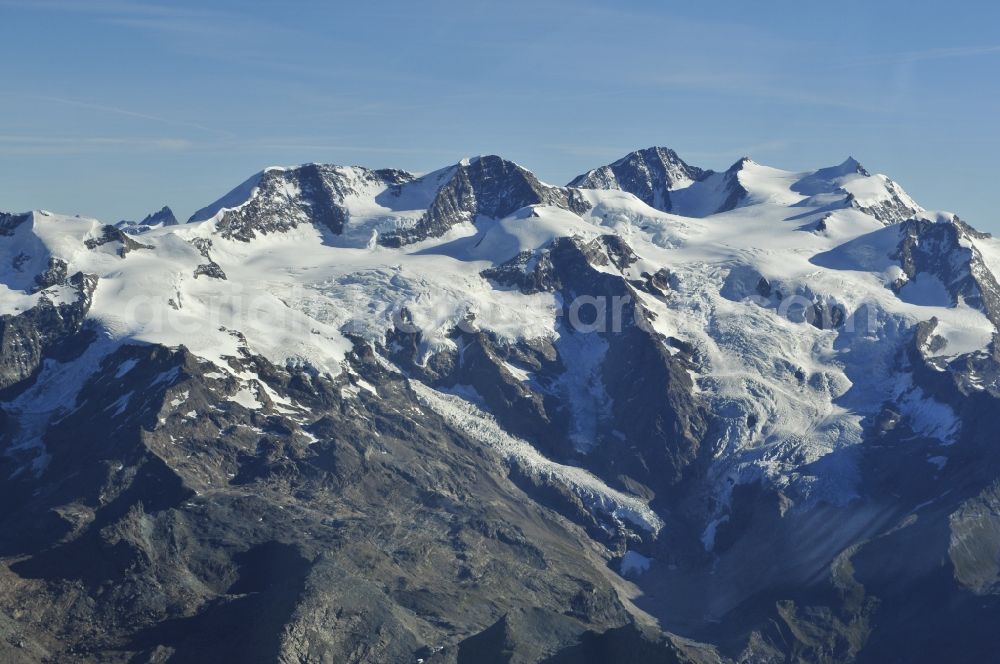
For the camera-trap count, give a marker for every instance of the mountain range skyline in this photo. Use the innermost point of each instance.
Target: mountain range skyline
(127, 105)
(157, 214)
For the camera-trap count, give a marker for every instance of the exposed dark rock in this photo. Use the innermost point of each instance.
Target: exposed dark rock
(733, 189)
(942, 249)
(889, 211)
(485, 186)
(163, 217)
(55, 275)
(211, 269)
(654, 410)
(191, 528)
(25, 338)
(109, 235)
(282, 199)
(528, 272)
(649, 174)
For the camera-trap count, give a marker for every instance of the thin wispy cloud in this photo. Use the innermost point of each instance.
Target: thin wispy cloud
(114, 110)
(926, 55)
(122, 8)
(332, 146)
(163, 18)
(15, 144)
(319, 146)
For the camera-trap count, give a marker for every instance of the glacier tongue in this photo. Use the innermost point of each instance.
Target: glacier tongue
(466, 416)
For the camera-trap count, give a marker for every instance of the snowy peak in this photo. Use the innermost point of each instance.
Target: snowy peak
(846, 169)
(391, 206)
(852, 165)
(660, 179)
(850, 185)
(162, 217)
(651, 175)
(741, 164)
(881, 198)
(487, 186)
(362, 207)
(280, 199)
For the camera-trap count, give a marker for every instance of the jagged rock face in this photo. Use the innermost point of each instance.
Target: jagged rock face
(649, 174)
(486, 186)
(211, 268)
(943, 549)
(111, 235)
(662, 180)
(47, 328)
(942, 249)
(54, 275)
(733, 190)
(896, 207)
(162, 217)
(653, 409)
(285, 198)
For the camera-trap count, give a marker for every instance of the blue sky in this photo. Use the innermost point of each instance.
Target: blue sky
(113, 108)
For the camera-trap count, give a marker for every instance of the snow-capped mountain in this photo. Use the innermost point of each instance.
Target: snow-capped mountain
(162, 217)
(699, 416)
(649, 174)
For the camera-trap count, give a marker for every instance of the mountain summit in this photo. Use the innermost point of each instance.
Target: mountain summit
(162, 217)
(649, 174)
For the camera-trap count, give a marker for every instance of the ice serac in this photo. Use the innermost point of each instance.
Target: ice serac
(280, 199)
(486, 186)
(649, 174)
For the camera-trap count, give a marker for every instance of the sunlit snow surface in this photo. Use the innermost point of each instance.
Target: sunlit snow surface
(793, 398)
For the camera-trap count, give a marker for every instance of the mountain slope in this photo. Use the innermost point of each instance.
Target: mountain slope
(665, 413)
